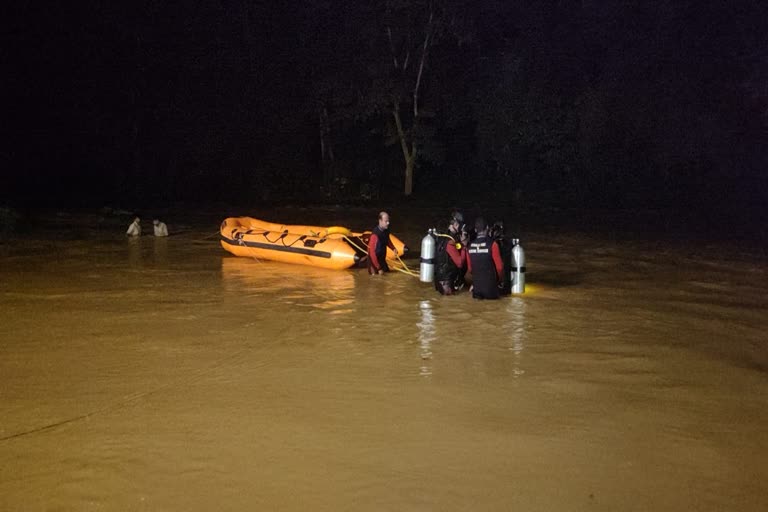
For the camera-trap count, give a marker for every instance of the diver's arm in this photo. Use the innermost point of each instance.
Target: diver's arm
(497, 261)
(457, 256)
(372, 243)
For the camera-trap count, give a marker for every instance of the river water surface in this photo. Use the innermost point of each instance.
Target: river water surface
(167, 375)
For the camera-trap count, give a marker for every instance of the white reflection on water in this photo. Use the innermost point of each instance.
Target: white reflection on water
(146, 252)
(427, 335)
(160, 249)
(135, 259)
(516, 325)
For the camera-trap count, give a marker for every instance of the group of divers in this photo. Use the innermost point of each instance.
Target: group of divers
(496, 263)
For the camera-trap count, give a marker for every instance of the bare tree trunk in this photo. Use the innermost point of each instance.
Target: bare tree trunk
(326, 148)
(424, 50)
(327, 135)
(408, 177)
(409, 154)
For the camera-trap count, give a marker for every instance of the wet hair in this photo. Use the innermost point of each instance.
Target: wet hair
(480, 225)
(497, 230)
(457, 216)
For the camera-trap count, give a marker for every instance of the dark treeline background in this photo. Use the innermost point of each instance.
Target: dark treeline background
(574, 104)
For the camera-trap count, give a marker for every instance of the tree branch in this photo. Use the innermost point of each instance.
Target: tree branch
(424, 50)
(392, 46)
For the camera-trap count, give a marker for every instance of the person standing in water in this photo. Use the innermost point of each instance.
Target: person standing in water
(377, 246)
(484, 263)
(135, 228)
(496, 233)
(451, 257)
(160, 228)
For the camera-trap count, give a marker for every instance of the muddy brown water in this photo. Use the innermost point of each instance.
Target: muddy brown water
(165, 375)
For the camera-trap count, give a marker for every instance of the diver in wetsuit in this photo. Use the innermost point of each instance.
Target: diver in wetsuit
(451, 257)
(484, 263)
(377, 246)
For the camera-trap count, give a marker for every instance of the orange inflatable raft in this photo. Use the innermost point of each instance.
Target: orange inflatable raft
(334, 247)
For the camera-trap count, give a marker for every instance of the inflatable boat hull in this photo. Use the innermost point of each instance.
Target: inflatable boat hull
(333, 247)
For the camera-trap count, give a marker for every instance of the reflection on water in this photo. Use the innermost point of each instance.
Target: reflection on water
(135, 257)
(164, 374)
(147, 252)
(160, 248)
(297, 285)
(427, 336)
(516, 327)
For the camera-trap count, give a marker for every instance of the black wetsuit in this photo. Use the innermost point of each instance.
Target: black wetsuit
(382, 242)
(448, 276)
(505, 246)
(484, 280)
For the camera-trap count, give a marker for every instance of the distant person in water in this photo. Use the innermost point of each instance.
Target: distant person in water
(377, 246)
(135, 228)
(160, 228)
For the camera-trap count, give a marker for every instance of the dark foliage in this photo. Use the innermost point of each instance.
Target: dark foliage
(656, 104)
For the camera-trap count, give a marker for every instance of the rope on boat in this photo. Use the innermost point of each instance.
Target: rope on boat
(405, 269)
(344, 232)
(280, 238)
(353, 244)
(216, 233)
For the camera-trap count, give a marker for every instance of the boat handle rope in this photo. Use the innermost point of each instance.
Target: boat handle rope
(403, 267)
(353, 244)
(281, 238)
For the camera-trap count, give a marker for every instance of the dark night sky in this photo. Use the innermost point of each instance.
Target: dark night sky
(182, 101)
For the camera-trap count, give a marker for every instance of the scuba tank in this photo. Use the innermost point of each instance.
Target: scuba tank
(518, 267)
(427, 265)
